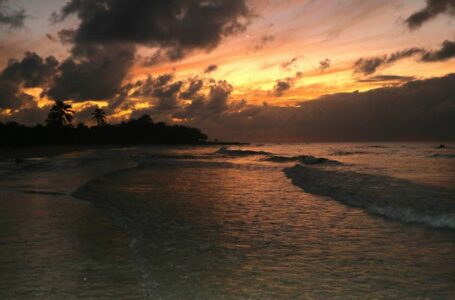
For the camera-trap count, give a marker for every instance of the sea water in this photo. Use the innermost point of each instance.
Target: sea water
(272, 221)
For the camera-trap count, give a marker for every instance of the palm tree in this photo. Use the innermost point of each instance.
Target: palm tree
(99, 116)
(60, 115)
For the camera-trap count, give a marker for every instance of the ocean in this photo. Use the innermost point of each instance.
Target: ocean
(261, 221)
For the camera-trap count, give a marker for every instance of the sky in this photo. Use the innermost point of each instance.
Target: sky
(250, 70)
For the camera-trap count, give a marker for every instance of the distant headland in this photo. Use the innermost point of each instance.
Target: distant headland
(59, 130)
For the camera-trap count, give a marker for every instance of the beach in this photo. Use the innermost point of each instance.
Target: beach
(261, 221)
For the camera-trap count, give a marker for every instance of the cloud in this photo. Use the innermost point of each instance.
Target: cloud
(93, 72)
(325, 64)
(289, 63)
(211, 68)
(104, 43)
(368, 66)
(85, 114)
(161, 91)
(153, 86)
(263, 41)
(418, 110)
(13, 18)
(192, 90)
(283, 85)
(51, 38)
(154, 59)
(447, 51)
(387, 78)
(11, 97)
(171, 99)
(432, 9)
(177, 26)
(28, 116)
(209, 106)
(31, 71)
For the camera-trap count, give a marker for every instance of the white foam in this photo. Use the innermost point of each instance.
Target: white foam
(391, 197)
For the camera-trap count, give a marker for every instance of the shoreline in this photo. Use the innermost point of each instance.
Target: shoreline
(39, 151)
(54, 150)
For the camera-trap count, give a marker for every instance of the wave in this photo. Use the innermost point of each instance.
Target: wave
(278, 158)
(390, 197)
(378, 146)
(303, 159)
(345, 153)
(237, 152)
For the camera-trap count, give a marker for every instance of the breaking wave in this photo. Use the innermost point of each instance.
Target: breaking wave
(237, 152)
(303, 159)
(390, 197)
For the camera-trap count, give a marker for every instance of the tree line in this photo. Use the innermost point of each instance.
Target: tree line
(60, 130)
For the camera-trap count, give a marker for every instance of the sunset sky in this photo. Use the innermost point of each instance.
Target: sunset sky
(238, 69)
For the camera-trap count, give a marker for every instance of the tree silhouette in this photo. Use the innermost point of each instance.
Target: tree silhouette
(60, 115)
(99, 116)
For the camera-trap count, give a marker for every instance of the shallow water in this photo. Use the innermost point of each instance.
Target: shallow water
(232, 225)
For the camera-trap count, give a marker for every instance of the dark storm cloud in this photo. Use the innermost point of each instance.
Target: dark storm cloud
(387, 78)
(104, 43)
(283, 85)
(31, 115)
(447, 51)
(418, 110)
(218, 97)
(154, 59)
(192, 90)
(368, 66)
(153, 87)
(13, 18)
(162, 90)
(11, 96)
(167, 96)
(432, 9)
(177, 26)
(93, 72)
(211, 68)
(31, 71)
(208, 106)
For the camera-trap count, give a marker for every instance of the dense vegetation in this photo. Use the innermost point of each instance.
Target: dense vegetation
(60, 131)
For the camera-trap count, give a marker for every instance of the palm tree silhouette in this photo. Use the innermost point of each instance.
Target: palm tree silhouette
(99, 116)
(60, 115)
